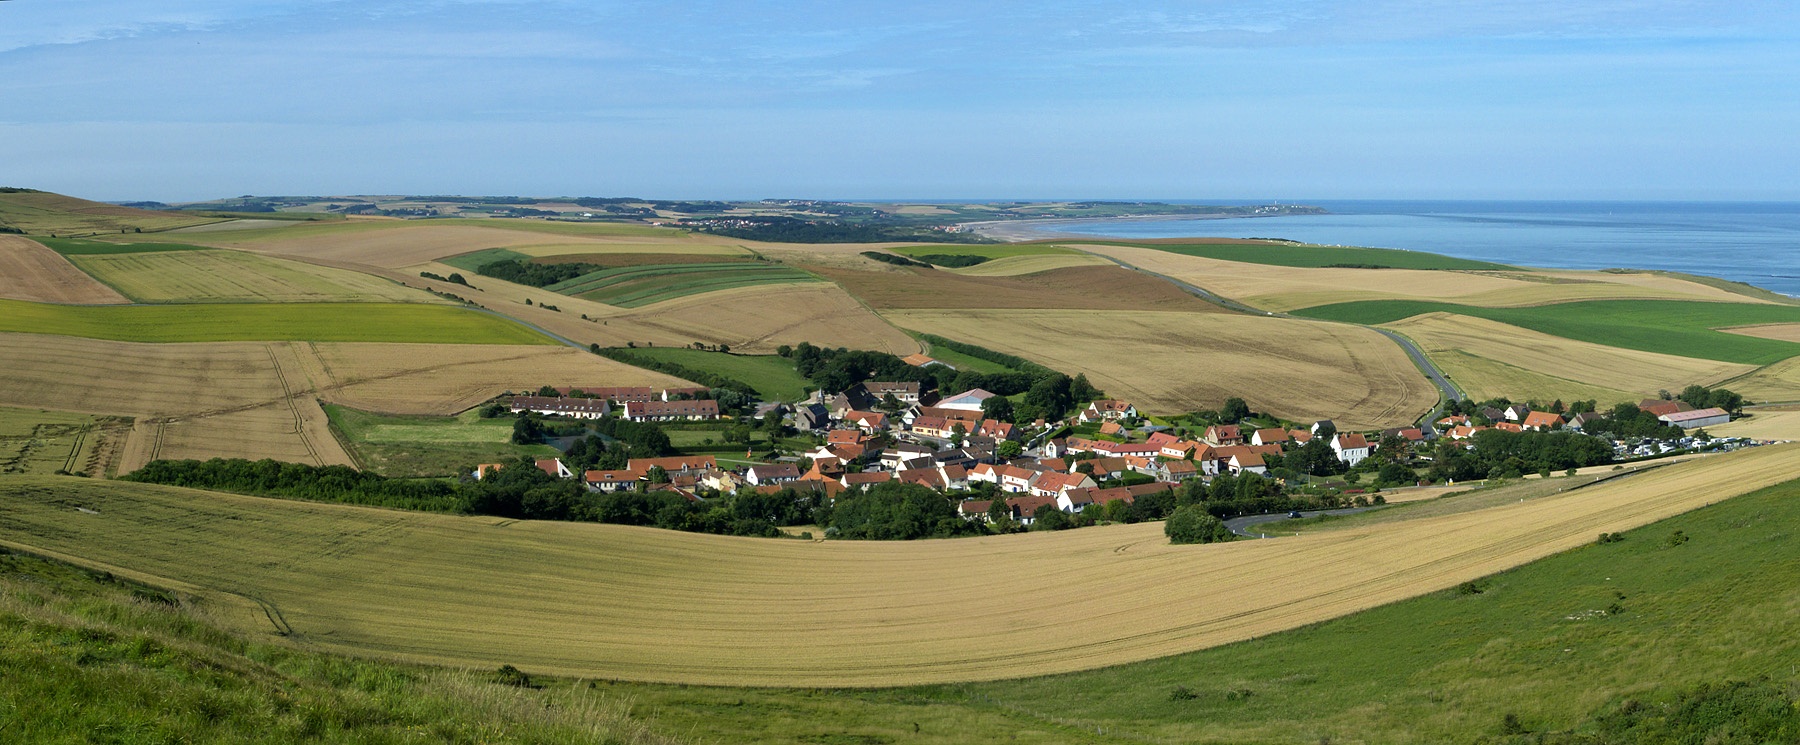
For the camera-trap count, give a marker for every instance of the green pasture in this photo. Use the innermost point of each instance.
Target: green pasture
(371, 322)
(773, 377)
(474, 260)
(1667, 326)
(1306, 255)
(427, 445)
(606, 277)
(79, 247)
(991, 251)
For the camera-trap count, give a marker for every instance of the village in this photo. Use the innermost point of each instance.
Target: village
(960, 445)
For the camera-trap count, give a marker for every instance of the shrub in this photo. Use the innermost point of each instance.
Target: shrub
(1181, 693)
(512, 676)
(1193, 524)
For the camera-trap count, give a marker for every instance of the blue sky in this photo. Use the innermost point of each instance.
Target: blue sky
(197, 99)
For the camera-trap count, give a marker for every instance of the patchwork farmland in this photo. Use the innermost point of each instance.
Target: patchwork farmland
(218, 276)
(642, 604)
(30, 271)
(637, 286)
(377, 322)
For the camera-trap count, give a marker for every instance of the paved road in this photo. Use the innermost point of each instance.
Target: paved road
(526, 324)
(1242, 525)
(1431, 371)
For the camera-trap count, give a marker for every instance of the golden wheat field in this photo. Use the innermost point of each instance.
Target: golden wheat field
(29, 271)
(1283, 288)
(1489, 359)
(238, 277)
(440, 379)
(1168, 363)
(261, 400)
(1778, 382)
(1776, 331)
(1012, 266)
(644, 604)
(1763, 425)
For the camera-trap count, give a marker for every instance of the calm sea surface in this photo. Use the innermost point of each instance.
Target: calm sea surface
(1756, 242)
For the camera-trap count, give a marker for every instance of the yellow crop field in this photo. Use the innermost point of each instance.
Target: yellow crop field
(1763, 425)
(1015, 265)
(754, 319)
(1168, 362)
(401, 243)
(644, 604)
(440, 379)
(261, 400)
(1776, 331)
(1282, 288)
(1489, 359)
(236, 277)
(1777, 382)
(29, 271)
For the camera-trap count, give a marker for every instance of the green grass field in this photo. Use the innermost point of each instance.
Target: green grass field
(999, 251)
(374, 322)
(427, 445)
(88, 658)
(79, 247)
(1666, 326)
(647, 285)
(773, 377)
(1302, 255)
(600, 278)
(473, 261)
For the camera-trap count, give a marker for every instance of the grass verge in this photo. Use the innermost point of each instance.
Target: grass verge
(773, 377)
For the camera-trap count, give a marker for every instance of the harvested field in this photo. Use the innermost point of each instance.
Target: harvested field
(1171, 363)
(397, 243)
(1488, 359)
(1776, 331)
(29, 271)
(237, 277)
(1282, 288)
(294, 430)
(379, 322)
(629, 259)
(642, 604)
(1090, 287)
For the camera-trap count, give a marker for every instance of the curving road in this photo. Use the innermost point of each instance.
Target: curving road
(1449, 389)
(1242, 525)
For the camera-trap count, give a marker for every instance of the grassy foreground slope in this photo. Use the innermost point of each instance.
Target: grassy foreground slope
(347, 322)
(1665, 326)
(643, 604)
(85, 658)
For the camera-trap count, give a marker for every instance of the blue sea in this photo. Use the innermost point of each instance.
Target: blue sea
(1754, 242)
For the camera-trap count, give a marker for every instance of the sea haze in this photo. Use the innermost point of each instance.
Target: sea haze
(1754, 242)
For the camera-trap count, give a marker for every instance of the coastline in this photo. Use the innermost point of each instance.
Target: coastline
(1045, 228)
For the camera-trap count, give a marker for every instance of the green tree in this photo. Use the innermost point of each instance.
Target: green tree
(1048, 517)
(1193, 524)
(1394, 473)
(1009, 449)
(999, 408)
(1234, 410)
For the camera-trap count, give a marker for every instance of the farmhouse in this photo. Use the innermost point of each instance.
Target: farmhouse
(579, 408)
(1252, 462)
(855, 480)
(555, 467)
(1697, 418)
(1541, 421)
(932, 426)
(1269, 436)
(653, 411)
(1351, 448)
(868, 421)
(1224, 434)
(674, 464)
(907, 393)
(1111, 409)
(1053, 484)
(779, 473)
(609, 481)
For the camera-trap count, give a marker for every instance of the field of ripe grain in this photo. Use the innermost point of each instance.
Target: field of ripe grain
(1170, 363)
(754, 319)
(256, 400)
(398, 243)
(441, 379)
(237, 277)
(1764, 425)
(375, 322)
(1012, 266)
(1090, 287)
(1283, 288)
(1777, 382)
(1488, 359)
(29, 271)
(1776, 331)
(643, 604)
